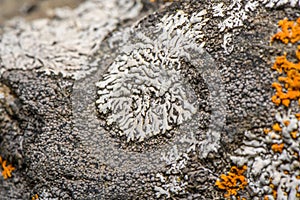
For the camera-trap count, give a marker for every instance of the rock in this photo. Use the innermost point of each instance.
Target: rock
(111, 100)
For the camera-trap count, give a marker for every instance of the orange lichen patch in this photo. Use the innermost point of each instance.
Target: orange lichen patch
(6, 169)
(286, 122)
(276, 127)
(35, 197)
(297, 116)
(274, 194)
(233, 182)
(290, 31)
(277, 147)
(266, 198)
(294, 134)
(290, 87)
(282, 64)
(267, 131)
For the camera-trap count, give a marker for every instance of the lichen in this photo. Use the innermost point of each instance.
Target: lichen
(277, 3)
(288, 86)
(171, 185)
(65, 43)
(143, 93)
(233, 182)
(35, 197)
(272, 158)
(277, 147)
(6, 169)
(290, 31)
(234, 15)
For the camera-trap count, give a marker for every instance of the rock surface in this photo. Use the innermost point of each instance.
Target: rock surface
(194, 80)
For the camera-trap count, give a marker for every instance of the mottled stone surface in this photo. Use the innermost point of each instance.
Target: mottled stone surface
(64, 143)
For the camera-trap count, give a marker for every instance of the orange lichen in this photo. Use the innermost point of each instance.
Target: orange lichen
(276, 127)
(7, 170)
(274, 191)
(266, 198)
(233, 182)
(267, 131)
(274, 194)
(288, 87)
(290, 90)
(277, 147)
(290, 31)
(35, 197)
(286, 122)
(294, 134)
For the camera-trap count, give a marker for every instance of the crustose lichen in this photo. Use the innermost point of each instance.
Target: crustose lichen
(233, 181)
(6, 169)
(143, 93)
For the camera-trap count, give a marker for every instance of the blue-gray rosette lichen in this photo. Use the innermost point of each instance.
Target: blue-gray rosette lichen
(143, 93)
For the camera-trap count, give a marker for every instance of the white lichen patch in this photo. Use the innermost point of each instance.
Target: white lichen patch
(173, 185)
(174, 182)
(143, 93)
(64, 43)
(234, 15)
(277, 3)
(271, 170)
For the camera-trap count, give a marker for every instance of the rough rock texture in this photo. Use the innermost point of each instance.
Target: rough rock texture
(192, 80)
